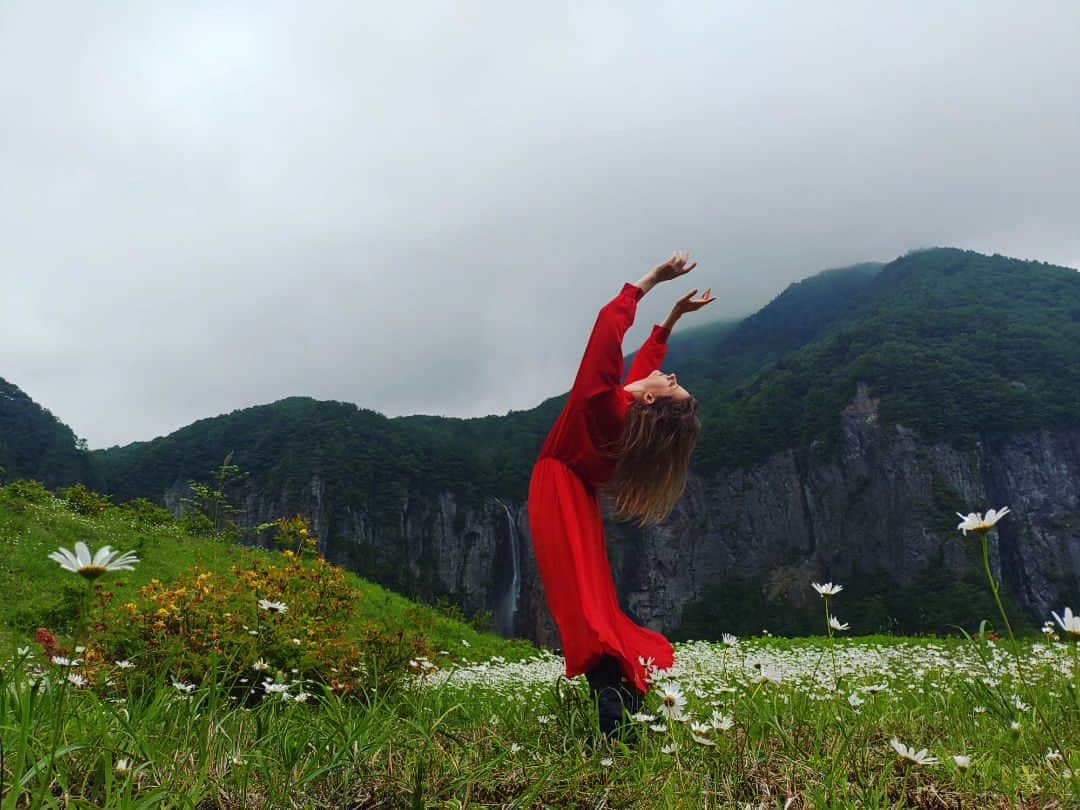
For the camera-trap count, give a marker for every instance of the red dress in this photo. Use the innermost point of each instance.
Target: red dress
(564, 513)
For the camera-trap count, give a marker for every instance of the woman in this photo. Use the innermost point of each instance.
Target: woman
(632, 442)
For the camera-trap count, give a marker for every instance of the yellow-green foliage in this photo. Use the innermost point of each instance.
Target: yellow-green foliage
(340, 610)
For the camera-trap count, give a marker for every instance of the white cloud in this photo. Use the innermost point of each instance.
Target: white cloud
(420, 207)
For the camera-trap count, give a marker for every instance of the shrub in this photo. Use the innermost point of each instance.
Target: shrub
(84, 501)
(206, 620)
(27, 490)
(147, 512)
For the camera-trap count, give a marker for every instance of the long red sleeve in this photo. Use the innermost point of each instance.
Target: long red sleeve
(602, 365)
(651, 354)
(592, 420)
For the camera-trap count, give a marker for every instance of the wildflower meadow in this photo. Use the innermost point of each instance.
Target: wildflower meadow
(258, 678)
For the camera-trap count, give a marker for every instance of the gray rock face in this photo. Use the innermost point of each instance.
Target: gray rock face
(882, 499)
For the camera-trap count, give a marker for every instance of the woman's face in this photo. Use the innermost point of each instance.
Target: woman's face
(656, 385)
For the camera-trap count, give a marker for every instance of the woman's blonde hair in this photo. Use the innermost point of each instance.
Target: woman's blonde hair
(653, 459)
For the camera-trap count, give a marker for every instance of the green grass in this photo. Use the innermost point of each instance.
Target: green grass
(37, 592)
(516, 735)
(781, 723)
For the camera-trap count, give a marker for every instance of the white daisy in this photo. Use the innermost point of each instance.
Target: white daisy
(91, 567)
(975, 522)
(274, 607)
(672, 699)
(835, 624)
(720, 722)
(828, 589)
(1069, 623)
(698, 732)
(918, 757)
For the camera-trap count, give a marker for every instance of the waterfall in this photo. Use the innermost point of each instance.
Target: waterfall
(507, 602)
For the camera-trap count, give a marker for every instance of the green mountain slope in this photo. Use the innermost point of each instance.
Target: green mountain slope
(35, 444)
(954, 343)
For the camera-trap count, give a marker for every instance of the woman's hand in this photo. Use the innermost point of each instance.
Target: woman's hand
(687, 304)
(673, 268)
(690, 304)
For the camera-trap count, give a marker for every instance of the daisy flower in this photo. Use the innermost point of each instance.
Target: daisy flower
(920, 757)
(828, 589)
(720, 722)
(698, 732)
(672, 699)
(90, 566)
(975, 522)
(1069, 623)
(274, 607)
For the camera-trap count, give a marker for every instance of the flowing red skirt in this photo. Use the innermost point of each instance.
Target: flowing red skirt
(568, 541)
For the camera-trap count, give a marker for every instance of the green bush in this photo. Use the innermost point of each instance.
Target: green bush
(84, 501)
(147, 512)
(204, 620)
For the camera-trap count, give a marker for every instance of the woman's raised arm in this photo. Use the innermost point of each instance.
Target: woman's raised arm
(602, 365)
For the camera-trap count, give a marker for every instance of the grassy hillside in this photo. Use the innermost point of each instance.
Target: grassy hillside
(39, 593)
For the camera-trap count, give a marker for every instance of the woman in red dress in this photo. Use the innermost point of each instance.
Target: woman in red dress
(632, 442)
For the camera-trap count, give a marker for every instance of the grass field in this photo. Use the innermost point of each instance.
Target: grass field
(765, 723)
(826, 722)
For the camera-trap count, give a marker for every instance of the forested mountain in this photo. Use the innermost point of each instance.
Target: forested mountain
(968, 356)
(955, 343)
(35, 444)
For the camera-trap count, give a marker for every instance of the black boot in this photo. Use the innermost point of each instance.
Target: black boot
(614, 698)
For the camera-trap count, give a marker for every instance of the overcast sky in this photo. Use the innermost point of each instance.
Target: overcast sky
(420, 207)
